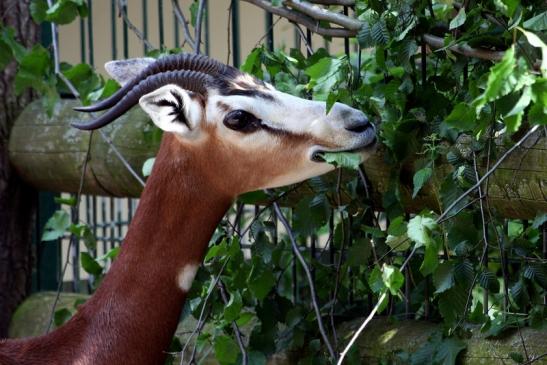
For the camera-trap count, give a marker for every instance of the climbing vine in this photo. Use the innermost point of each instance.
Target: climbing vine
(434, 76)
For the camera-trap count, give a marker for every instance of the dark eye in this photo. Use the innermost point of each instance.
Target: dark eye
(240, 120)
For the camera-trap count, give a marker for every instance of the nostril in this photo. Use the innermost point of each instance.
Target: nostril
(359, 127)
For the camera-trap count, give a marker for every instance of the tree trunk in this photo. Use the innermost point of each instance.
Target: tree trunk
(17, 199)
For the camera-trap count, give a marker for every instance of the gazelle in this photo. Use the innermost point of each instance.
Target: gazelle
(227, 133)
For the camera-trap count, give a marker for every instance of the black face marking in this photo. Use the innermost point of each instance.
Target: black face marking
(178, 108)
(248, 92)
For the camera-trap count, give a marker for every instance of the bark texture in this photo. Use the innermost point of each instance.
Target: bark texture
(17, 199)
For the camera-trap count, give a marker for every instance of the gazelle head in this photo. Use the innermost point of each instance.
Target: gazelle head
(251, 134)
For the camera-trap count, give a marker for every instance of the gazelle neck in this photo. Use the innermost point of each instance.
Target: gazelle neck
(134, 313)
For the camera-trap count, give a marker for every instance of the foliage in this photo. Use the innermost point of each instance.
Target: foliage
(420, 115)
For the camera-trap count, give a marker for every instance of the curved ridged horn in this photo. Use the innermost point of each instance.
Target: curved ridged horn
(189, 80)
(182, 61)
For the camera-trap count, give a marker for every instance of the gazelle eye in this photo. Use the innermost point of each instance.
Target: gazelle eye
(240, 120)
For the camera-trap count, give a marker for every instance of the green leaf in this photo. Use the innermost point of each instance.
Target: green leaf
(90, 265)
(462, 117)
(488, 280)
(70, 201)
(62, 12)
(443, 277)
(452, 303)
(348, 160)
(147, 166)
(393, 278)
(536, 41)
(397, 226)
(420, 178)
(38, 9)
(398, 243)
(364, 37)
(498, 80)
(379, 33)
(516, 357)
(419, 229)
(458, 20)
(233, 308)
(56, 226)
(375, 280)
(261, 281)
(226, 349)
(61, 317)
(448, 351)
(431, 259)
(537, 23)
(17, 49)
(359, 252)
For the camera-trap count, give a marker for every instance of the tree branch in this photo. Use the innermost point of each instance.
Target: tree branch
(304, 20)
(237, 332)
(309, 277)
(199, 19)
(182, 20)
(334, 2)
(438, 42)
(123, 11)
(319, 13)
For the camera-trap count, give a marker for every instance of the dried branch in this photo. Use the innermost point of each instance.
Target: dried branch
(438, 42)
(361, 328)
(302, 19)
(320, 13)
(237, 332)
(182, 20)
(309, 277)
(120, 156)
(123, 11)
(199, 20)
(309, 15)
(334, 2)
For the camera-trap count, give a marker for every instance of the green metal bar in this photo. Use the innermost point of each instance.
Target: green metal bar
(90, 33)
(82, 40)
(269, 31)
(235, 33)
(160, 19)
(125, 35)
(113, 30)
(145, 23)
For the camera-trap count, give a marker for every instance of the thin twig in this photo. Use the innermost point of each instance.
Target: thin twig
(371, 315)
(303, 37)
(199, 20)
(122, 8)
(313, 294)
(73, 239)
(201, 314)
(237, 332)
(182, 20)
(120, 156)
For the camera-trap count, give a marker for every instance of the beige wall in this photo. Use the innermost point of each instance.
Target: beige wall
(252, 31)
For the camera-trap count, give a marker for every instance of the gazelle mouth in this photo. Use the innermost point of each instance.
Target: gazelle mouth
(317, 155)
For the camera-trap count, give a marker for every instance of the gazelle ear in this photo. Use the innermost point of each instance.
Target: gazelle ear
(124, 70)
(174, 109)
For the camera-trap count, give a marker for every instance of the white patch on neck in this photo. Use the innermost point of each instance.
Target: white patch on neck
(186, 276)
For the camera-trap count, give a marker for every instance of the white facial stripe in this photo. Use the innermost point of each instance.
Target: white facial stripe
(186, 276)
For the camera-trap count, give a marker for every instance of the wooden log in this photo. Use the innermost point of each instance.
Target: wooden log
(49, 155)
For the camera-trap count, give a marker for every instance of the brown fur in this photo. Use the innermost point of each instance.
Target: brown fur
(133, 315)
